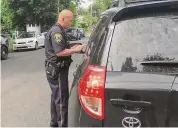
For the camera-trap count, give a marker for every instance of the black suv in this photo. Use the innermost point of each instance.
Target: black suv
(128, 77)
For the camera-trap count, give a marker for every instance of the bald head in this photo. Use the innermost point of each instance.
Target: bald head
(65, 18)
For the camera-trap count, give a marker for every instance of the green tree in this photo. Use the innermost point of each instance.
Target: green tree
(34, 12)
(17, 13)
(63, 4)
(105, 4)
(6, 15)
(92, 13)
(82, 11)
(73, 7)
(99, 6)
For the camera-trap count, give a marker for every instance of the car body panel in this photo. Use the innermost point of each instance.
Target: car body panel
(4, 46)
(24, 43)
(4, 41)
(172, 119)
(26, 40)
(149, 89)
(128, 82)
(24, 46)
(29, 43)
(41, 38)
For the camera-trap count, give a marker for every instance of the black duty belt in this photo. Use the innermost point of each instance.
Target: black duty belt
(47, 63)
(61, 64)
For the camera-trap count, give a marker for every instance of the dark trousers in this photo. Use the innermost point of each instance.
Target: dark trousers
(59, 97)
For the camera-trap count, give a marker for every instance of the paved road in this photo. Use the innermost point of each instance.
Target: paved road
(25, 94)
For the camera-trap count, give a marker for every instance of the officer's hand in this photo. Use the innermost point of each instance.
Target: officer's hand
(84, 48)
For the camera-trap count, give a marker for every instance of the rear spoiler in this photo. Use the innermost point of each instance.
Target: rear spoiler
(144, 8)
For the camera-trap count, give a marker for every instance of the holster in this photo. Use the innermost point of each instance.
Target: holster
(52, 70)
(65, 63)
(61, 64)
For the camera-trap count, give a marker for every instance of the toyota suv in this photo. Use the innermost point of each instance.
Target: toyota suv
(128, 75)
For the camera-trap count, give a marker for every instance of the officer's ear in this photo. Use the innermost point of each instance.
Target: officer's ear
(63, 18)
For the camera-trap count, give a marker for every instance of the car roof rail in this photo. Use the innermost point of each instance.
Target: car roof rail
(118, 3)
(139, 1)
(138, 8)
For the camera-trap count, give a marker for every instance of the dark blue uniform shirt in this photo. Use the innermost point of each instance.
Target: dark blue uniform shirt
(56, 41)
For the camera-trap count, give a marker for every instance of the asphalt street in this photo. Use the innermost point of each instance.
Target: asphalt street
(25, 93)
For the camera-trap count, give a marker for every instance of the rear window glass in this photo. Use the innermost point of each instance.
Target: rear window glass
(151, 38)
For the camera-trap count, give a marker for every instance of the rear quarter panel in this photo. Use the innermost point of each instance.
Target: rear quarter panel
(172, 120)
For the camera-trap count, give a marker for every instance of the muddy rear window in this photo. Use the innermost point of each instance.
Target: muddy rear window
(151, 38)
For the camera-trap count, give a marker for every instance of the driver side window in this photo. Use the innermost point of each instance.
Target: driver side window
(95, 36)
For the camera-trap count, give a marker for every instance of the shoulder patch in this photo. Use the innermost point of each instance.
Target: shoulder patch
(58, 37)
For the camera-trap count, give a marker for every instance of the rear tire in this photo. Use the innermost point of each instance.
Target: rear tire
(4, 53)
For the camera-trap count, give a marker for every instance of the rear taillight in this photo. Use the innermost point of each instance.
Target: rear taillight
(91, 91)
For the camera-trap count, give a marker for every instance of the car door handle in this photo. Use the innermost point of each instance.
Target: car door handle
(130, 103)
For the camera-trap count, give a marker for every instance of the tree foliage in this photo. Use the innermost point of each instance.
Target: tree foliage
(6, 15)
(42, 12)
(17, 13)
(99, 6)
(91, 14)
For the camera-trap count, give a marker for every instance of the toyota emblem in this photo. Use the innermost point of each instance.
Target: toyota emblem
(130, 122)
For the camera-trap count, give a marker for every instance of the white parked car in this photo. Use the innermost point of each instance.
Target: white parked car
(28, 40)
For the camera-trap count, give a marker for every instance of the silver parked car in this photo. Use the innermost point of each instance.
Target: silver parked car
(4, 47)
(73, 33)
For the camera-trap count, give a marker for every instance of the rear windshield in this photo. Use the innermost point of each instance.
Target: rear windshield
(151, 38)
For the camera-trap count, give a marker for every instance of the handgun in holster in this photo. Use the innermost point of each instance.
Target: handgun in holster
(65, 63)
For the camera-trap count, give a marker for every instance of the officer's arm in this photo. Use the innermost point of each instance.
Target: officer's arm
(67, 52)
(59, 45)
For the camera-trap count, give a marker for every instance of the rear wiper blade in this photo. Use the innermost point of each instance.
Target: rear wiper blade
(172, 63)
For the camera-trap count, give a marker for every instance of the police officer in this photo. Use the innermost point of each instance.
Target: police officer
(58, 59)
